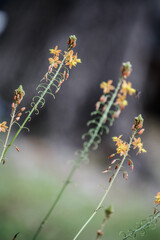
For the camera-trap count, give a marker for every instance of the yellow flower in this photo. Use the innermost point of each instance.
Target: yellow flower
(107, 86)
(117, 140)
(55, 51)
(71, 59)
(127, 88)
(138, 144)
(54, 61)
(122, 148)
(121, 101)
(3, 126)
(157, 198)
(121, 145)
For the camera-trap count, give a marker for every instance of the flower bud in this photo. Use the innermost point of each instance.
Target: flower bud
(132, 166)
(71, 41)
(141, 132)
(112, 155)
(19, 114)
(129, 163)
(126, 69)
(17, 118)
(116, 166)
(13, 105)
(110, 179)
(22, 109)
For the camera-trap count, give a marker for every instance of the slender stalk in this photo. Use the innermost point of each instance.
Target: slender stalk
(8, 133)
(146, 225)
(5, 149)
(83, 152)
(109, 187)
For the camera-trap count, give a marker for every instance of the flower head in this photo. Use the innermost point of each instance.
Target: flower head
(71, 59)
(122, 146)
(107, 86)
(157, 198)
(54, 61)
(127, 88)
(138, 144)
(55, 51)
(3, 126)
(121, 101)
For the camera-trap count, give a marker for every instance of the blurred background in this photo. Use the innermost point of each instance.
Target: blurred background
(109, 32)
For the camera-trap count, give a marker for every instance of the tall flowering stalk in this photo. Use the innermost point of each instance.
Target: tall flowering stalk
(58, 72)
(149, 222)
(107, 109)
(122, 149)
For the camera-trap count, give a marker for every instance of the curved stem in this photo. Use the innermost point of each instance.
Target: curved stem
(109, 187)
(32, 110)
(83, 152)
(157, 215)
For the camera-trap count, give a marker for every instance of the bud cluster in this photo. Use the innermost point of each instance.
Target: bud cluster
(18, 96)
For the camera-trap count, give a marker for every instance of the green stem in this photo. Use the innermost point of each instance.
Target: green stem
(83, 152)
(143, 226)
(109, 187)
(32, 110)
(9, 130)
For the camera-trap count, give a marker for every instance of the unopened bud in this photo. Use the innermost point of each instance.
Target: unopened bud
(109, 211)
(124, 174)
(110, 179)
(13, 105)
(17, 118)
(126, 69)
(129, 162)
(72, 41)
(132, 166)
(141, 132)
(113, 161)
(155, 210)
(97, 106)
(107, 169)
(67, 76)
(22, 109)
(127, 176)
(17, 148)
(99, 233)
(103, 99)
(19, 114)
(112, 155)
(116, 166)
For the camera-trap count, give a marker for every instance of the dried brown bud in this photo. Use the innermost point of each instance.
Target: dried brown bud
(99, 233)
(116, 166)
(129, 163)
(124, 174)
(110, 179)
